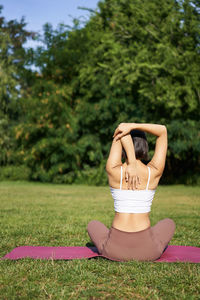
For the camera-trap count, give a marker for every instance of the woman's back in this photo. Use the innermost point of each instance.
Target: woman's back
(143, 173)
(132, 207)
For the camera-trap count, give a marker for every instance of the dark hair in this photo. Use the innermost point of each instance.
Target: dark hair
(140, 144)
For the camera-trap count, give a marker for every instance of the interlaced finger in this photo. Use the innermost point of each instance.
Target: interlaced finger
(130, 180)
(116, 132)
(126, 176)
(118, 136)
(136, 182)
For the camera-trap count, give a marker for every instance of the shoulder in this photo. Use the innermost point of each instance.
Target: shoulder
(114, 172)
(114, 175)
(155, 175)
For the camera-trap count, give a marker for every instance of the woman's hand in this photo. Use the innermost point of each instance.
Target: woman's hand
(122, 130)
(131, 176)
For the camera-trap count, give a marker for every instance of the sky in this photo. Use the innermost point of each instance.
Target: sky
(39, 12)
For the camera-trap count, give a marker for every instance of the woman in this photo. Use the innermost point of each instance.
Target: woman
(133, 186)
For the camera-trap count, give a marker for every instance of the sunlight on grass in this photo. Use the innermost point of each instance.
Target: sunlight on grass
(57, 215)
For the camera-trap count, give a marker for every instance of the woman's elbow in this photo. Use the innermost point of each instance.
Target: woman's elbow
(108, 167)
(164, 129)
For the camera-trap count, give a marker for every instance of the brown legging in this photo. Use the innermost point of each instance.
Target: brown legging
(145, 245)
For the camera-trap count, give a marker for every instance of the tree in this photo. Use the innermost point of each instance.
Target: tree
(144, 66)
(13, 78)
(132, 61)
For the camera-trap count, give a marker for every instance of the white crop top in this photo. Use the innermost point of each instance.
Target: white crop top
(133, 201)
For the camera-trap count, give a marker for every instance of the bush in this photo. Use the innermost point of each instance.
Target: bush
(15, 173)
(92, 176)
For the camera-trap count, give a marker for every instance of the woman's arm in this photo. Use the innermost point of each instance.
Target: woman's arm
(159, 157)
(131, 170)
(114, 160)
(115, 156)
(128, 146)
(125, 128)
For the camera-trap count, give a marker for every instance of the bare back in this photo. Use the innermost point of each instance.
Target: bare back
(132, 222)
(142, 170)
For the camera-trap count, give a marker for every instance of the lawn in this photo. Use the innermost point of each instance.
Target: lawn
(57, 215)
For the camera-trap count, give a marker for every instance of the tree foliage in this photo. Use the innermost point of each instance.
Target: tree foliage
(132, 61)
(13, 61)
(14, 78)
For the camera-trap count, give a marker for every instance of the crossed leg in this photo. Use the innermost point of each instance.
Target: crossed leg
(164, 231)
(98, 233)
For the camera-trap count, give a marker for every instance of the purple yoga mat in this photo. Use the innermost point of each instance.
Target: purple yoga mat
(171, 254)
(42, 252)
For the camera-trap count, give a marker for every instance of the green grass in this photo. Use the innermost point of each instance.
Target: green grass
(57, 215)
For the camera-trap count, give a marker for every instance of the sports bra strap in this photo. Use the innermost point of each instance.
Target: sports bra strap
(121, 179)
(147, 187)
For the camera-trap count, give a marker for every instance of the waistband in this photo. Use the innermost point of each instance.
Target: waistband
(130, 232)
